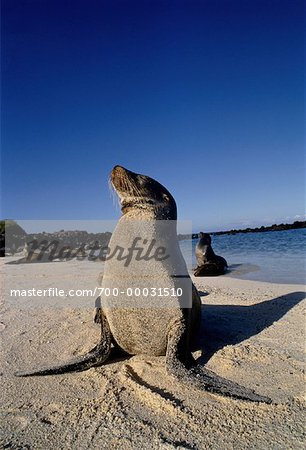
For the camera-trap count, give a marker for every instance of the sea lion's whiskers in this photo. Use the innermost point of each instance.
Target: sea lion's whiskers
(115, 198)
(127, 186)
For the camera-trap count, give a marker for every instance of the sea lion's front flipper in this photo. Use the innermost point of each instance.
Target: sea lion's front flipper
(198, 377)
(97, 356)
(98, 311)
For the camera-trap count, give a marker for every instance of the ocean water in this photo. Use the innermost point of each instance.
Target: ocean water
(273, 256)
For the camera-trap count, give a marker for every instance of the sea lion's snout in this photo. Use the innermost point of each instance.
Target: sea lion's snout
(117, 177)
(119, 169)
(125, 182)
(118, 172)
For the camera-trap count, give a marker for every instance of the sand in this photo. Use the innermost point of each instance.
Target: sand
(252, 333)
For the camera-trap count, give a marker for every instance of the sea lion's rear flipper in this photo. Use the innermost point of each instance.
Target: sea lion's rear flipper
(98, 311)
(207, 380)
(210, 269)
(97, 356)
(179, 359)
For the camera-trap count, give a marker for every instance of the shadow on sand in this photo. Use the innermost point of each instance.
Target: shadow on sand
(223, 325)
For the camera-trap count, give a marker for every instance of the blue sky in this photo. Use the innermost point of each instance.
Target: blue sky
(205, 96)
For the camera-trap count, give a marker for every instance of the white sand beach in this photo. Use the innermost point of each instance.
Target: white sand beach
(252, 333)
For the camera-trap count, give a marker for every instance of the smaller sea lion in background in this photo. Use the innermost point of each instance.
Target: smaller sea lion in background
(209, 264)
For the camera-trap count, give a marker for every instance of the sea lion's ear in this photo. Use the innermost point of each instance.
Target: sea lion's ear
(201, 234)
(166, 197)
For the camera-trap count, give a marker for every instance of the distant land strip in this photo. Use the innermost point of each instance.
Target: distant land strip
(281, 227)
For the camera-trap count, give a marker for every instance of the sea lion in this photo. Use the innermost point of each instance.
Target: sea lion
(209, 264)
(150, 325)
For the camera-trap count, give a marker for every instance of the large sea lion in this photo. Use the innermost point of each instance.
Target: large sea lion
(209, 264)
(150, 325)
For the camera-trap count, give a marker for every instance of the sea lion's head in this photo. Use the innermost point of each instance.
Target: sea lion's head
(205, 238)
(142, 193)
(204, 242)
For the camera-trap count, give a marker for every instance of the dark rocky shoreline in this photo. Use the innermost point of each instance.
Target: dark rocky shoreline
(274, 227)
(281, 227)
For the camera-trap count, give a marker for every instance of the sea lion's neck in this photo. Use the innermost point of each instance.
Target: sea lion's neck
(208, 252)
(144, 213)
(137, 214)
